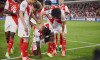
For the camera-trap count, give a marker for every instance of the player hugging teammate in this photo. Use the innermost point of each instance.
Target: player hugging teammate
(30, 11)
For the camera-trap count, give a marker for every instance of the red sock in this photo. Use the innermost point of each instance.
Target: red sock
(56, 39)
(7, 40)
(21, 44)
(10, 44)
(25, 48)
(50, 44)
(54, 47)
(64, 45)
(60, 39)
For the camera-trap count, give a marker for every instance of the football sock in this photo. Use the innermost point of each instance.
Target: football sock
(54, 47)
(21, 44)
(10, 44)
(7, 40)
(64, 45)
(50, 44)
(25, 49)
(56, 39)
(60, 39)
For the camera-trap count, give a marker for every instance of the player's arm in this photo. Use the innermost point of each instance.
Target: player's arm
(34, 17)
(63, 19)
(63, 24)
(23, 7)
(6, 8)
(41, 16)
(67, 10)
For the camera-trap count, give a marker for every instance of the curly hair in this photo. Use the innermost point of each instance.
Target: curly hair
(37, 5)
(56, 12)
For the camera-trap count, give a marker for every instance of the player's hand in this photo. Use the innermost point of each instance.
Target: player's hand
(41, 26)
(17, 11)
(26, 28)
(37, 27)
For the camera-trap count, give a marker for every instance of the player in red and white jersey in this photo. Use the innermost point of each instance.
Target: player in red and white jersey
(59, 25)
(63, 7)
(66, 10)
(11, 10)
(48, 7)
(43, 35)
(24, 25)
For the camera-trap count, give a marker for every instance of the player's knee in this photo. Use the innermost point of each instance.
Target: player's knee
(26, 39)
(12, 35)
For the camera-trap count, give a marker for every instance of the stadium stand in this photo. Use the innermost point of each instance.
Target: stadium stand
(87, 9)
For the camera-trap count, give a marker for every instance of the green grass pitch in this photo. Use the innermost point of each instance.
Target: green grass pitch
(82, 38)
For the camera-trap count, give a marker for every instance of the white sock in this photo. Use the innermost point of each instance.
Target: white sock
(60, 46)
(24, 58)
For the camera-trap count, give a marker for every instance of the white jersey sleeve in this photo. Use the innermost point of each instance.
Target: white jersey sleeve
(48, 11)
(63, 17)
(7, 5)
(66, 9)
(42, 10)
(23, 6)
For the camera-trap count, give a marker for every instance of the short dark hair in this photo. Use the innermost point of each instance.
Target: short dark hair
(56, 12)
(46, 31)
(37, 5)
(48, 2)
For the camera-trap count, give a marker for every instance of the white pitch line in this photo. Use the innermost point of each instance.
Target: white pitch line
(66, 49)
(83, 47)
(67, 40)
(81, 42)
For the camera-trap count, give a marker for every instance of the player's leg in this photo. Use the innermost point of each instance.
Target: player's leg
(38, 49)
(7, 34)
(54, 46)
(10, 44)
(21, 45)
(25, 48)
(50, 45)
(64, 41)
(60, 47)
(56, 41)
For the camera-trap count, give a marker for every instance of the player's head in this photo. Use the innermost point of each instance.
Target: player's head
(32, 1)
(37, 6)
(48, 4)
(56, 12)
(45, 31)
(61, 2)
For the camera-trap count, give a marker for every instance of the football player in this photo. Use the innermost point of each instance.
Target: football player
(11, 10)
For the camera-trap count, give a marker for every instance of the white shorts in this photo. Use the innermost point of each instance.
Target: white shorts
(58, 28)
(36, 36)
(10, 25)
(21, 30)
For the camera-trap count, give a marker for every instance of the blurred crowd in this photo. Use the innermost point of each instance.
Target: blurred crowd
(88, 9)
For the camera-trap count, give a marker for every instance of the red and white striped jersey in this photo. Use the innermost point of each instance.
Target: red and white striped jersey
(27, 9)
(59, 19)
(50, 19)
(64, 7)
(12, 6)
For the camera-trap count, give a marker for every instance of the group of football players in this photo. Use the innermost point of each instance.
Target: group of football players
(27, 14)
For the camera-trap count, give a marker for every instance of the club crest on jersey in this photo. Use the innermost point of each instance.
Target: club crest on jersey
(13, 8)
